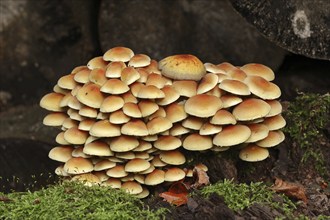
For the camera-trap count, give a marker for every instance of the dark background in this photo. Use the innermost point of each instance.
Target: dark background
(41, 40)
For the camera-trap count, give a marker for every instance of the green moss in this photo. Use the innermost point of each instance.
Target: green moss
(70, 200)
(242, 196)
(306, 117)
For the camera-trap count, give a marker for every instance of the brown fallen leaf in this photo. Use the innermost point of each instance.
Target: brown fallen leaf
(201, 178)
(292, 190)
(177, 199)
(177, 194)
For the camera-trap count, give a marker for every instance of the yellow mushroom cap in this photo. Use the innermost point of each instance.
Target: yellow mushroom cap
(61, 153)
(262, 88)
(173, 157)
(253, 153)
(197, 142)
(78, 165)
(122, 54)
(182, 67)
(232, 135)
(137, 165)
(52, 101)
(174, 174)
(256, 69)
(251, 109)
(202, 105)
(155, 177)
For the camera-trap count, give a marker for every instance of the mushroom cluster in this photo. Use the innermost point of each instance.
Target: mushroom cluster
(127, 120)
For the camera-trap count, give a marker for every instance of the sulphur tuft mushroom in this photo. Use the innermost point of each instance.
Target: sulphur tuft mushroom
(127, 120)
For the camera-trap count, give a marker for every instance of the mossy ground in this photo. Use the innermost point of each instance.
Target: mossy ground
(71, 200)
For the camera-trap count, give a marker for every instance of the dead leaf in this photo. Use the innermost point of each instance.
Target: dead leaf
(292, 190)
(176, 195)
(177, 199)
(201, 178)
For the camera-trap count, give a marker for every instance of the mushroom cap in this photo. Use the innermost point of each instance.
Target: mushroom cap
(118, 117)
(167, 142)
(143, 146)
(175, 112)
(275, 108)
(235, 87)
(135, 127)
(117, 172)
(67, 82)
(51, 102)
(61, 153)
(253, 153)
(225, 66)
(251, 109)
(154, 79)
(209, 129)
(197, 142)
(174, 174)
(128, 155)
(232, 135)
(145, 192)
(274, 138)
(88, 179)
(78, 165)
(193, 123)
(186, 88)
(60, 171)
(237, 74)
(112, 103)
(60, 139)
(87, 111)
(97, 148)
(104, 164)
(208, 82)
(230, 100)
(122, 54)
(129, 75)
(202, 105)
(147, 107)
(54, 119)
(156, 161)
(173, 157)
(256, 69)
(104, 128)
(158, 125)
(155, 177)
(123, 143)
(178, 130)
(139, 60)
(171, 95)
(113, 183)
(78, 152)
(96, 62)
(258, 132)
(182, 67)
(97, 76)
(275, 122)
(223, 117)
(82, 76)
(132, 187)
(114, 86)
(75, 136)
(212, 68)
(150, 92)
(262, 88)
(132, 110)
(90, 95)
(114, 69)
(101, 175)
(137, 165)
